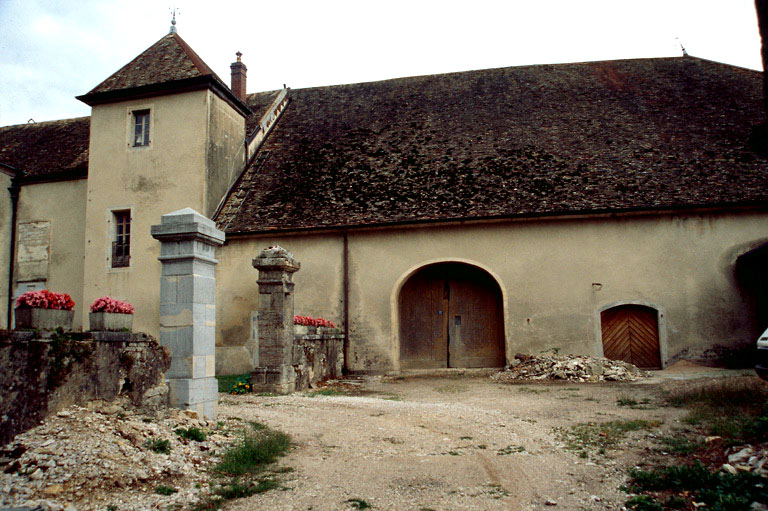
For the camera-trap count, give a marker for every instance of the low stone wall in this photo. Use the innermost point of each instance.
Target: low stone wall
(45, 372)
(317, 357)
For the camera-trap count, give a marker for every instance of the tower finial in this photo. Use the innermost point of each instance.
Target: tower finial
(685, 53)
(173, 20)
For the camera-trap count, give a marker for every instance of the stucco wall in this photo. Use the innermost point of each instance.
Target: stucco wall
(168, 175)
(225, 152)
(5, 244)
(680, 264)
(319, 284)
(62, 204)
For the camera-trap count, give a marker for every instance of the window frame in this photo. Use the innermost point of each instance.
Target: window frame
(141, 123)
(120, 240)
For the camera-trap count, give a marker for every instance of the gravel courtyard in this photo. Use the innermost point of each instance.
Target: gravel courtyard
(454, 442)
(439, 441)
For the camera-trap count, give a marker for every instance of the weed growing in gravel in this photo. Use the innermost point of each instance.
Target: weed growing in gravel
(680, 444)
(510, 449)
(531, 390)
(735, 410)
(588, 436)
(465, 438)
(253, 452)
(452, 388)
(643, 404)
(359, 504)
(165, 490)
(236, 489)
(497, 491)
(192, 433)
(325, 392)
(258, 449)
(392, 398)
(158, 445)
(720, 491)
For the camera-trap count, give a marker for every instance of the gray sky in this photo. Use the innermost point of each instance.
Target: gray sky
(51, 51)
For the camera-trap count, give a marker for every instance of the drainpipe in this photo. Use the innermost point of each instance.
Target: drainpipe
(14, 191)
(345, 367)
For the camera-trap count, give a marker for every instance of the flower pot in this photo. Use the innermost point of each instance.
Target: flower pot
(43, 319)
(110, 321)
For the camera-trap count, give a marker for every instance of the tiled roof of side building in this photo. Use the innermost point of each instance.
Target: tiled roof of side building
(169, 59)
(532, 140)
(47, 149)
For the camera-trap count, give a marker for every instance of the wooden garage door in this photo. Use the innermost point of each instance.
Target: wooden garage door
(631, 334)
(450, 316)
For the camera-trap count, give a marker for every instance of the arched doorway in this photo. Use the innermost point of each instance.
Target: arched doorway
(451, 316)
(631, 333)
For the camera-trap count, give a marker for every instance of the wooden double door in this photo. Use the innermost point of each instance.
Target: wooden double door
(451, 316)
(631, 334)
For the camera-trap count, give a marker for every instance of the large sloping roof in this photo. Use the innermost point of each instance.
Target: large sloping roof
(532, 140)
(44, 150)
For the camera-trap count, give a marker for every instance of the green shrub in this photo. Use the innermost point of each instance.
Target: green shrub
(165, 490)
(192, 433)
(158, 445)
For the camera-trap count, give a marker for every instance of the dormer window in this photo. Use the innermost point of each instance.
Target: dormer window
(140, 128)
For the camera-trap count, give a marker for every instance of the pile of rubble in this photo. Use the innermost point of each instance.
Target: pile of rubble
(747, 459)
(569, 367)
(106, 457)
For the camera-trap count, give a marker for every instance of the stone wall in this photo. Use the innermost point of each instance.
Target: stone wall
(45, 372)
(290, 357)
(316, 357)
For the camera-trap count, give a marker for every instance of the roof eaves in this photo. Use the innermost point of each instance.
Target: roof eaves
(64, 175)
(660, 209)
(210, 81)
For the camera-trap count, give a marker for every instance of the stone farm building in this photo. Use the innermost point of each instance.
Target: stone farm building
(601, 208)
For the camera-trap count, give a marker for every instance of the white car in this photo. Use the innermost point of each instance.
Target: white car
(761, 368)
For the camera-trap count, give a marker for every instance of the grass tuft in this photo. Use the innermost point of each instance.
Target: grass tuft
(253, 453)
(192, 433)
(165, 490)
(158, 445)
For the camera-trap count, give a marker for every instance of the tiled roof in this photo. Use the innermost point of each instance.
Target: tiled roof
(532, 140)
(167, 60)
(47, 149)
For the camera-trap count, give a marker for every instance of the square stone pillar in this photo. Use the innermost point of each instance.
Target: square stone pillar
(188, 308)
(276, 332)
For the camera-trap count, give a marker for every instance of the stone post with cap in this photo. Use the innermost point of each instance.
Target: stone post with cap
(188, 308)
(276, 331)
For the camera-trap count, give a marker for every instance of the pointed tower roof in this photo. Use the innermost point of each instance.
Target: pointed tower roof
(170, 65)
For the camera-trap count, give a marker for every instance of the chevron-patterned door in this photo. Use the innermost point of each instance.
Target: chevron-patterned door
(631, 334)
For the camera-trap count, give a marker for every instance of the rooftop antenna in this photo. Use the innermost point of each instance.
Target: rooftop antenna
(173, 19)
(685, 53)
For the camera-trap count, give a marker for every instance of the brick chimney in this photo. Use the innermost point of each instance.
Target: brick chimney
(238, 77)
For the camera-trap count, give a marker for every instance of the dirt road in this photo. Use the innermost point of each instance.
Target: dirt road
(461, 442)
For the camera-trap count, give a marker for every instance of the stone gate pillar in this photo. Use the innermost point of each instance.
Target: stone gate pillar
(188, 308)
(276, 332)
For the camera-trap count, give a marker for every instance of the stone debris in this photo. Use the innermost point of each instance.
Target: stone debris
(570, 368)
(747, 459)
(100, 456)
